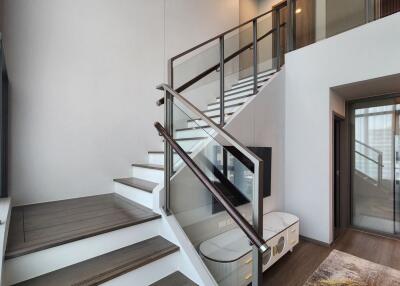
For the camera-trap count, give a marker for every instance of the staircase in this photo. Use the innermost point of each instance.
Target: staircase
(116, 238)
(129, 237)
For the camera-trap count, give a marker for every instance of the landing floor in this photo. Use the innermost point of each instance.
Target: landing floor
(40, 226)
(294, 268)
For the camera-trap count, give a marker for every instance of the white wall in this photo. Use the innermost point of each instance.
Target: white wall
(363, 53)
(83, 76)
(262, 124)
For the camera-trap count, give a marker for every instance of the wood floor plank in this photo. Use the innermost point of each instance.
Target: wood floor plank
(175, 279)
(59, 206)
(294, 268)
(70, 216)
(108, 266)
(56, 225)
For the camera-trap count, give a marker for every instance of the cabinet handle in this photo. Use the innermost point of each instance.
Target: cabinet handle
(293, 230)
(248, 276)
(248, 260)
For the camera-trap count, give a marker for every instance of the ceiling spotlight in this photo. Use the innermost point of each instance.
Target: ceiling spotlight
(298, 10)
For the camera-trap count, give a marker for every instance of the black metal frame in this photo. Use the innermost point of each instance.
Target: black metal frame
(3, 125)
(349, 108)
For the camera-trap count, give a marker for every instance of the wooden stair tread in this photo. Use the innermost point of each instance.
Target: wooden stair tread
(107, 266)
(143, 185)
(175, 279)
(149, 166)
(41, 226)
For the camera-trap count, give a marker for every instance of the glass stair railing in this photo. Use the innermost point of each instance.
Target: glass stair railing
(214, 192)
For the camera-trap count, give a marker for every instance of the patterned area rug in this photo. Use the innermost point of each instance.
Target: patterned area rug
(342, 269)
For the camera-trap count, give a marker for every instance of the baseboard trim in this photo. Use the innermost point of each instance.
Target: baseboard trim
(305, 238)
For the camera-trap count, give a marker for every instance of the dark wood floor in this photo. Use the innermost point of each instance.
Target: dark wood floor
(296, 267)
(40, 226)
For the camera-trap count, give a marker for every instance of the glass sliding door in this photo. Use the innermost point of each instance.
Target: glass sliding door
(376, 165)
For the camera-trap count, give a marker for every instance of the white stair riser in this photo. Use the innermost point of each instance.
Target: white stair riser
(41, 262)
(158, 158)
(152, 175)
(189, 145)
(229, 103)
(260, 79)
(227, 110)
(149, 273)
(136, 195)
(259, 75)
(239, 89)
(237, 95)
(202, 132)
(200, 122)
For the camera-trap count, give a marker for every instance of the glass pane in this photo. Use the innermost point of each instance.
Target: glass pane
(240, 54)
(343, 15)
(191, 65)
(373, 194)
(214, 156)
(266, 49)
(206, 223)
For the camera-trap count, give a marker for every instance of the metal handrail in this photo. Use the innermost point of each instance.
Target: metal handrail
(243, 149)
(369, 147)
(220, 35)
(369, 158)
(217, 66)
(216, 192)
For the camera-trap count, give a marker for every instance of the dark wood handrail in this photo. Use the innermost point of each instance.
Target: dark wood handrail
(215, 191)
(220, 35)
(216, 66)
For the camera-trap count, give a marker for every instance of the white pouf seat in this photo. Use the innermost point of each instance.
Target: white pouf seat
(228, 255)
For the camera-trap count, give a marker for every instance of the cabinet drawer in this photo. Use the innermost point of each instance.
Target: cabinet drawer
(293, 234)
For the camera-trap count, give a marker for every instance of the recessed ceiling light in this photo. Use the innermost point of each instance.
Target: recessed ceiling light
(298, 10)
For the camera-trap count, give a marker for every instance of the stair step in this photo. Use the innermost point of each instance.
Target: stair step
(215, 111)
(211, 117)
(158, 157)
(149, 172)
(189, 144)
(233, 98)
(238, 91)
(193, 132)
(199, 122)
(143, 185)
(149, 166)
(41, 226)
(191, 128)
(107, 266)
(190, 139)
(260, 79)
(230, 102)
(269, 72)
(175, 279)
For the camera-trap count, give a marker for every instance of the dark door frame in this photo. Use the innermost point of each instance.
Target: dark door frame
(338, 172)
(279, 7)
